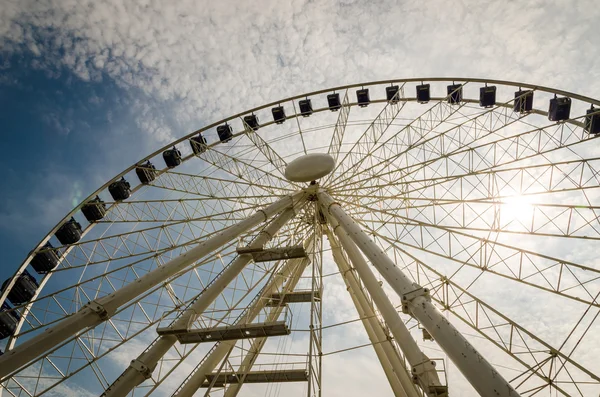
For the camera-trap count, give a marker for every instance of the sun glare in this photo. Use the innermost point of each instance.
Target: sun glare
(517, 208)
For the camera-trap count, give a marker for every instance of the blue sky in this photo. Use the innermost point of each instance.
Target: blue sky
(87, 88)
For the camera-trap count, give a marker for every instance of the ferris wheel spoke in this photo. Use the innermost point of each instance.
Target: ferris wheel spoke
(531, 144)
(111, 337)
(551, 177)
(421, 136)
(241, 169)
(369, 138)
(521, 344)
(418, 144)
(340, 128)
(210, 187)
(267, 151)
(568, 279)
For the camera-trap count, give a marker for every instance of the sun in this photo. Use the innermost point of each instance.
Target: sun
(516, 208)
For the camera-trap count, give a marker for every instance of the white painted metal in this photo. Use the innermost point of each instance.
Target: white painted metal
(100, 310)
(292, 270)
(399, 378)
(427, 375)
(480, 373)
(142, 367)
(309, 167)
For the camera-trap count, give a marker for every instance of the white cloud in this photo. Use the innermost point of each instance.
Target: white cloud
(195, 62)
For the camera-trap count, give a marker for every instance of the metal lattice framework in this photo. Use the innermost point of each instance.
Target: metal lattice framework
(443, 219)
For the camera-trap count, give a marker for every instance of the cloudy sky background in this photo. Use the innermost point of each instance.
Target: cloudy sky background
(87, 88)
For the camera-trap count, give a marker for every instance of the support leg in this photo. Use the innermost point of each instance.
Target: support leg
(394, 369)
(481, 374)
(141, 368)
(100, 310)
(292, 270)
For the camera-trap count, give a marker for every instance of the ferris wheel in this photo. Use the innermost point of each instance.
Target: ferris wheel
(414, 237)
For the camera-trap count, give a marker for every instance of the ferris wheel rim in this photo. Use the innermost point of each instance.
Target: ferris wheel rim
(237, 116)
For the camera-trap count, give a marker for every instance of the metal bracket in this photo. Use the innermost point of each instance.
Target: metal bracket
(98, 309)
(410, 296)
(141, 368)
(420, 376)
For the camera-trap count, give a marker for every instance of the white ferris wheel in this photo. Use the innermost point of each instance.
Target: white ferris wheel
(417, 237)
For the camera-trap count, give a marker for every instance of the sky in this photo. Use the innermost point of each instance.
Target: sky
(87, 88)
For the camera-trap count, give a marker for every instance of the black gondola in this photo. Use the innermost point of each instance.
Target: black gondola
(69, 232)
(560, 109)
(198, 144)
(278, 114)
(487, 96)
(45, 260)
(146, 172)
(454, 93)
(592, 120)
(252, 121)
(362, 97)
(391, 93)
(523, 101)
(225, 133)
(8, 321)
(306, 108)
(172, 157)
(23, 289)
(423, 93)
(333, 100)
(120, 190)
(94, 210)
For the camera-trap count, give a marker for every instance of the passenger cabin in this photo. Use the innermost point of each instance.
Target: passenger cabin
(278, 114)
(363, 98)
(146, 172)
(69, 232)
(198, 144)
(251, 121)
(487, 96)
(23, 289)
(333, 100)
(523, 101)
(391, 93)
(423, 93)
(225, 133)
(9, 319)
(560, 109)
(306, 108)
(45, 260)
(454, 93)
(94, 210)
(172, 157)
(120, 190)
(592, 120)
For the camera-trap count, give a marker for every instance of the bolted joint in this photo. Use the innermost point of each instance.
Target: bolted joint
(98, 309)
(410, 296)
(425, 375)
(142, 368)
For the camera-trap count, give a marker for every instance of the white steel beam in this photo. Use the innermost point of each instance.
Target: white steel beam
(292, 271)
(422, 367)
(142, 367)
(480, 373)
(395, 371)
(100, 310)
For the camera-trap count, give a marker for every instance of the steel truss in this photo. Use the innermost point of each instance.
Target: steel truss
(443, 201)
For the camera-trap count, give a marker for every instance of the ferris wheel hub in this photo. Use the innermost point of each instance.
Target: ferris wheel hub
(309, 167)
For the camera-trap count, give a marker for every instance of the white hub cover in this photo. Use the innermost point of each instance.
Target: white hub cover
(309, 167)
